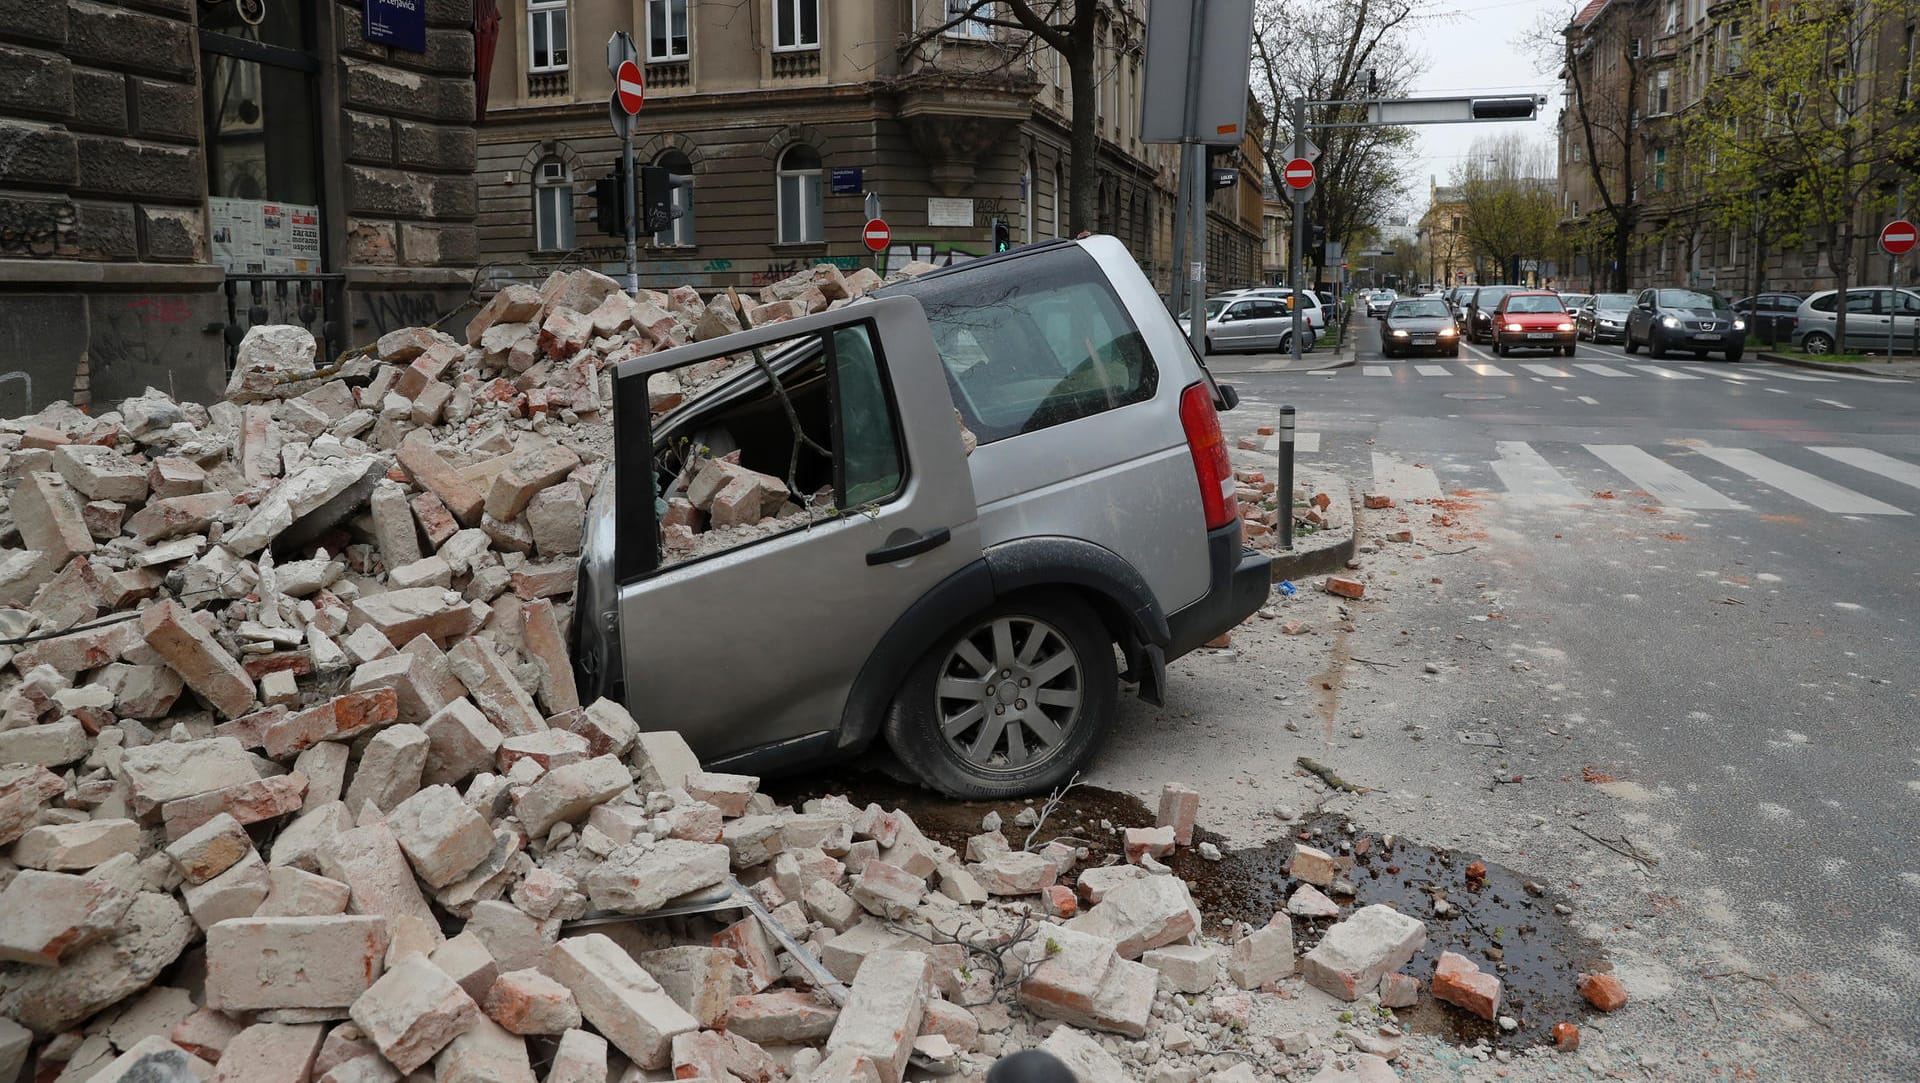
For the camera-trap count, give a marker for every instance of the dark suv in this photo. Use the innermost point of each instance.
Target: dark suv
(1685, 319)
(1481, 304)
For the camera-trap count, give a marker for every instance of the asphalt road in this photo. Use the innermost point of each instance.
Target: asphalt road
(1677, 599)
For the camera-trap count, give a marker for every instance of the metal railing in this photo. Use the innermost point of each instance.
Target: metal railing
(316, 302)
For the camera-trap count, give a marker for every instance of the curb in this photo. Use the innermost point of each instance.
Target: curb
(1822, 366)
(1299, 565)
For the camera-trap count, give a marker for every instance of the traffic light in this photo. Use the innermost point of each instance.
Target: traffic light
(656, 199)
(1002, 236)
(610, 202)
(1317, 242)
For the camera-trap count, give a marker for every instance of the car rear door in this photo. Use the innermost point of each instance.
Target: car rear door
(1238, 328)
(1269, 321)
(758, 642)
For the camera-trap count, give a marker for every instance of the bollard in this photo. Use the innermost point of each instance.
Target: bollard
(1286, 477)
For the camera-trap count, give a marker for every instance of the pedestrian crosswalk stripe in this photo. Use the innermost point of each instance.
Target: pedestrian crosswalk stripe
(1862, 378)
(1802, 377)
(1376, 370)
(1432, 370)
(1886, 466)
(1547, 370)
(1736, 378)
(1489, 370)
(1403, 481)
(1666, 483)
(1601, 370)
(1527, 474)
(1670, 374)
(1836, 404)
(1799, 484)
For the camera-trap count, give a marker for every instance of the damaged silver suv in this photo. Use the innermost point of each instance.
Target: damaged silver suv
(975, 590)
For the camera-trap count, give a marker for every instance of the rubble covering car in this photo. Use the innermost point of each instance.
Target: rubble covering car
(956, 586)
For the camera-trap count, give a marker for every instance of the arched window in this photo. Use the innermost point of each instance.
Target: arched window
(552, 206)
(680, 230)
(797, 180)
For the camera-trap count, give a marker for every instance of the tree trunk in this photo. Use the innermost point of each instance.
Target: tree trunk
(1622, 248)
(1840, 261)
(1085, 140)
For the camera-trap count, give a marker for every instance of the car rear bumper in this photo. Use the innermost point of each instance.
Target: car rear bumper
(1239, 581)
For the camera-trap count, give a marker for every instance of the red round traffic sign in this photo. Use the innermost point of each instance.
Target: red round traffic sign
(1899, 237)
(630, 87)
(1298, 173)
(876, 234)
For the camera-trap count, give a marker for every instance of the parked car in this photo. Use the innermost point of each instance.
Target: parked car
(1419, 324)
(1603, 318)
(1313, 315)
(1532, 320)
(1684, 319)
(1249, 321)
(1873, 313)
(1477, 320)
(965, 602)
(1771, 317)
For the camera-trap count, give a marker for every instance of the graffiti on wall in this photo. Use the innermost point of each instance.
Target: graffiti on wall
(150, 340)
(388, 311)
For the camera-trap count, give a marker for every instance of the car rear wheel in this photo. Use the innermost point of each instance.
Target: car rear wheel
(1010, 703)
(1817, 343)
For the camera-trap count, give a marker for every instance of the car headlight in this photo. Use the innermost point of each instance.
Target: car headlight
(1513, 327)
(1399, 334)
(1566, 326)
(1448, 332)
(1739, 325)
(1669, 321)
(1609, 323)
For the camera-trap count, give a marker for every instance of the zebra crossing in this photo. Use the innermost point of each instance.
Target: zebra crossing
(1849, 481)
(1672, 371)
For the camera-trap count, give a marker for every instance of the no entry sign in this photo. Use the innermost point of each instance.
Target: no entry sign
(1899, 237)
(876, 234)
(1298, 173)
(630, 87)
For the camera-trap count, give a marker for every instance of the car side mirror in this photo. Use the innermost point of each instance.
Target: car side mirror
(1229, 396)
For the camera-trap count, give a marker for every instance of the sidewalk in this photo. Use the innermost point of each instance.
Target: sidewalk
(1909, 370)
(1323, 356)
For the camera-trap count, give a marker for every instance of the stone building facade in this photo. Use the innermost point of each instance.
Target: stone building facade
(784, 116)
(171, 173)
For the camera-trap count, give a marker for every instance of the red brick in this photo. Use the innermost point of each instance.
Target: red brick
(248, 802)
(1377, 501)
(1345, 587)
(439, 476)
(435, 520)
(544, 580)
(340, 718)
(1179, 806)
(193, 653)
(1459, 982)
(1603, 991)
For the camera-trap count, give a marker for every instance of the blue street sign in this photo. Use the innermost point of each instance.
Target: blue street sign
(400, 24)
(846, 182)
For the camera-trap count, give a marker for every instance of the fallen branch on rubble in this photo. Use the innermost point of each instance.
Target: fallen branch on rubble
(992, 953)
(1448, 552)
(800, 437)
(1327, 776)
(1048, 807)
(1631, 851)
(1772, 981)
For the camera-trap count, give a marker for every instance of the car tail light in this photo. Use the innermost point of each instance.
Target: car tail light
(1212, 466)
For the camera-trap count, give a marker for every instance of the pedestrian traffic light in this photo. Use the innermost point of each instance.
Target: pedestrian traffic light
(656, 199)
(609, 201)
(1002, 236)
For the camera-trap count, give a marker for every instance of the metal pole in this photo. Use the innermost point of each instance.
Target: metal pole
(1286, 477)
(1299, 242)
(1893, 278)
(1182, 207)
(633, 227)
(1194, 167)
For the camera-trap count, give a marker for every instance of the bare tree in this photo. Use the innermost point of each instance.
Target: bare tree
(1338, 51)
(1601, 65)
(1506, 184)
(1068, 27)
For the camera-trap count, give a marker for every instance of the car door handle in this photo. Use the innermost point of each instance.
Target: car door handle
(912, 547)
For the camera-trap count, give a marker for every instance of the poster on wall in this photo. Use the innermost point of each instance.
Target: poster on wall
(252, 236)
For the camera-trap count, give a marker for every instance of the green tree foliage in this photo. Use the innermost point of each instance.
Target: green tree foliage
(1804, 132)
(1506, 184)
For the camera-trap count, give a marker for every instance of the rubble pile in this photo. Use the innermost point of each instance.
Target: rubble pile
(296, 783)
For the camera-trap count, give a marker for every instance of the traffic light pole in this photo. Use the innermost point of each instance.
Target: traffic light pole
(1194, 166)
(1299, 226)
(632, 205)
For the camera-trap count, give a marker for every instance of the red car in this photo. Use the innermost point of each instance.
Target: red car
(1533, 320)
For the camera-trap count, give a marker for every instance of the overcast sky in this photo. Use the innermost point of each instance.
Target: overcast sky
(1473, 47)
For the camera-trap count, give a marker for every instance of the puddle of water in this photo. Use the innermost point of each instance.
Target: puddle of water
(1541, 954)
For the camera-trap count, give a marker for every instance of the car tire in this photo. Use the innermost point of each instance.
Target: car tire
(1700, 354)
(1628, 344)
(1455, 352)
(1817, 342)
(1568, 350)
(1656, 349)
(920, 714)
(1206, 344)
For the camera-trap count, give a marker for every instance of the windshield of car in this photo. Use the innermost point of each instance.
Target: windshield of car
(1613, 302)
(1420, 308)
(1535, 304)
(1690, 299)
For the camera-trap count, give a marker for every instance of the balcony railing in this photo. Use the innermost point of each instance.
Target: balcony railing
(669, 74)
(796, 65)
(547, 84)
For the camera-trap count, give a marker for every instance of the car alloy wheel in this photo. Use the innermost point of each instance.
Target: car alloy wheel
(1012, 702)
(1817, 343)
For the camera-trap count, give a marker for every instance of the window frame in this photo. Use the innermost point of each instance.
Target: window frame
(546, 11)
(686, 16)
(564, 234)
(970, 28)
(791, 10)
(686, 222)
(800, 176)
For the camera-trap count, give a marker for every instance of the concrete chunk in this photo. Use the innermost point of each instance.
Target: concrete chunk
(640, 878)
(49, 914)
(200, 661)
(309, 962)
(1263, 956)
(569, 793)
(884, 1010)
(619, 998)
(270, 1053)
(99, 473)
(662, 760)
(154, 1059)
(1186, 968)
(443, 837)
(1353, 956)
(1142, 914)
(494, 688)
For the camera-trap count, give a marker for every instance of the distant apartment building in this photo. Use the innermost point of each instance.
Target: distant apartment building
(781, 118)
(1450, 257)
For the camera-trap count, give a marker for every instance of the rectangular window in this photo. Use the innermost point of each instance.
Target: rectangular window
(1022, 356)
(1673, 15)
(800, 208)
(546, 35)
(552, 207)
(1906, 67)
(667, 35)
(1660, 94)
(796, 25)
(1660, 169)
(965, 22)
